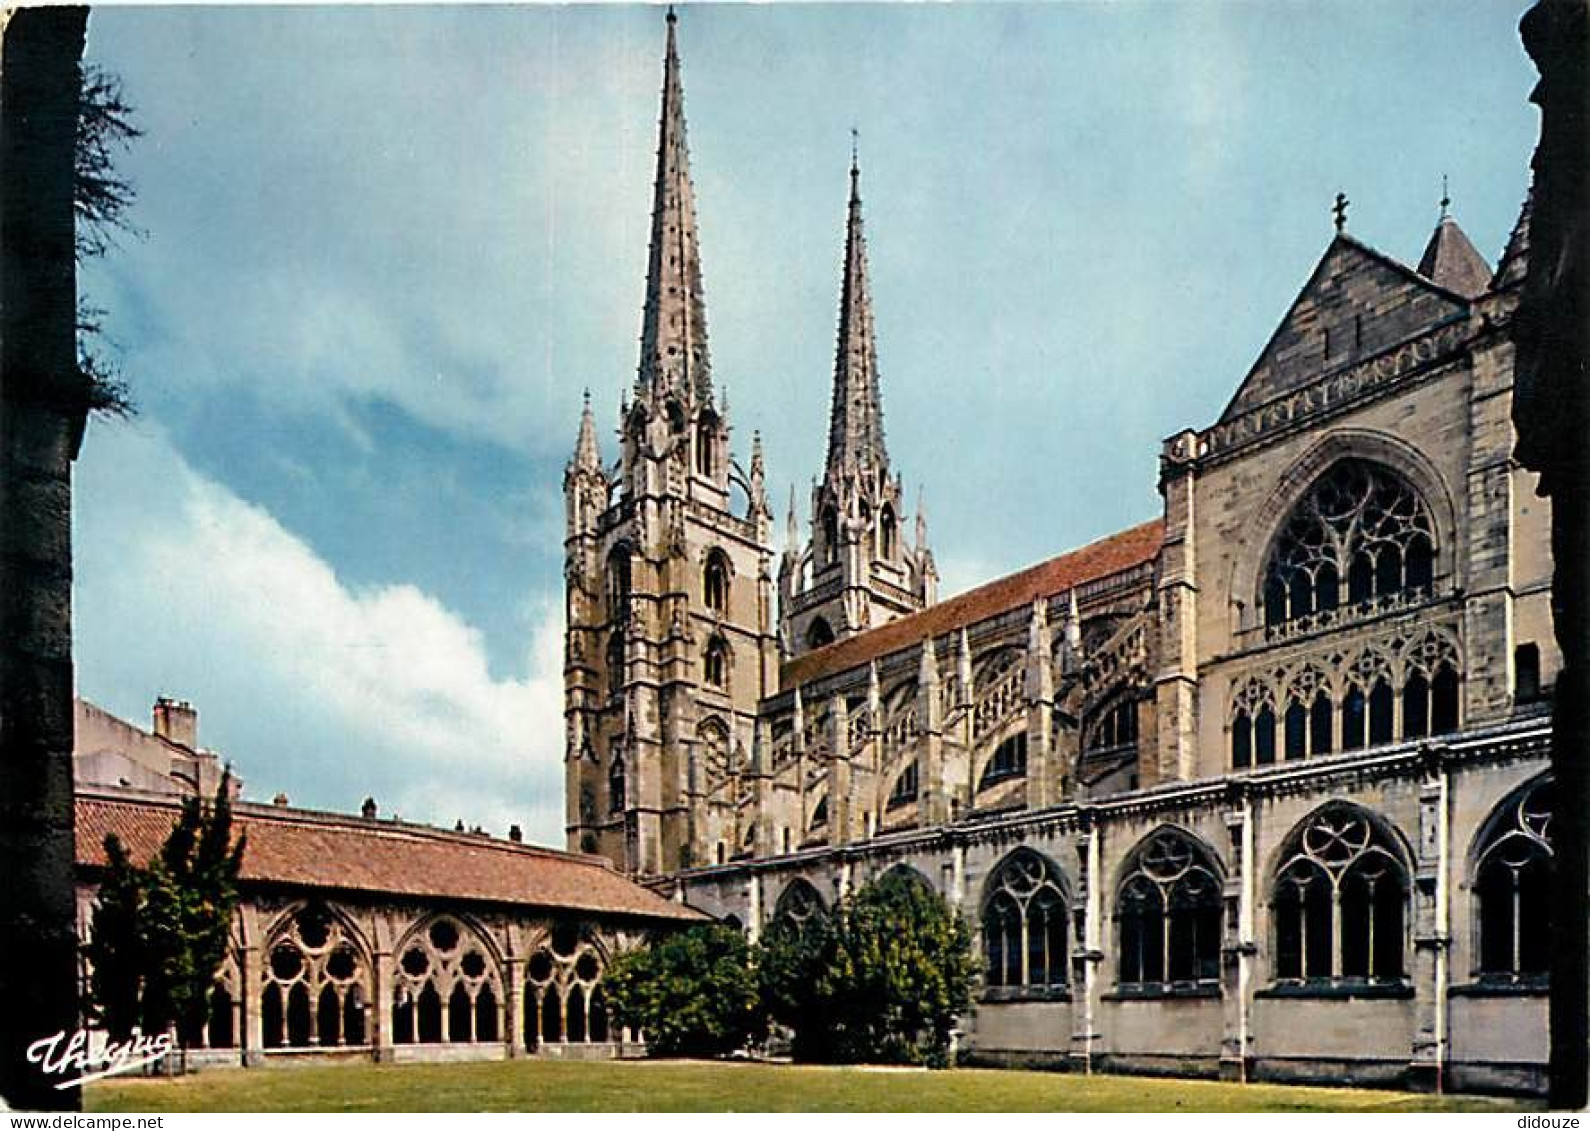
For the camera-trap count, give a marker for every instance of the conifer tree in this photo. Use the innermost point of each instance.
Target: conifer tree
(160, 932)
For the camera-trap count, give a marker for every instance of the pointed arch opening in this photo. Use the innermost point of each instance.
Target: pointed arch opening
(716, 662)
(316, 975)
(1339, 902)
(617, 785)
(447, 983)
(707, 444)
(619, 583)
(1008, 761)
(715, 582)
(1513, 864)
(1026, 926)
(829, 526)
(1168, 914)
(904, 790)
(799, 903)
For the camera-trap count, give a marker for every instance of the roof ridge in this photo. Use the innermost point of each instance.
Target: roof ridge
(350, 822)
(959, 610)
(325, 853)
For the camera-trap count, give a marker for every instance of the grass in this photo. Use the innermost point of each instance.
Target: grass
(541, 1085)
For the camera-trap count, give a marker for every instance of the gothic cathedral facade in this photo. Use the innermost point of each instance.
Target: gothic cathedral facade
(1255, 788)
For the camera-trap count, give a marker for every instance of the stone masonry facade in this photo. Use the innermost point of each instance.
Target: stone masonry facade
(1257, 788)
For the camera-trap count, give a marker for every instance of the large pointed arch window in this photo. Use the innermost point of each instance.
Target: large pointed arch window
(1026, 912)
(1513, 886)
(1168, 912)
(1359, 536)
(1339, 902)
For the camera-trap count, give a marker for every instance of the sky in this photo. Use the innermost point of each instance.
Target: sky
(383, 251)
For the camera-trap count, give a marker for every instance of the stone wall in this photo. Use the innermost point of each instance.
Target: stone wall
(1436, 1022)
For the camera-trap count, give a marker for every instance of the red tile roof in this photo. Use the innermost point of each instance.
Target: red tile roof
(326, 850)
(1115, 554)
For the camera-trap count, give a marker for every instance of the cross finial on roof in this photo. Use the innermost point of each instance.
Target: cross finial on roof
(855, 149)
(672, 18)
(1446, 197)
(1340, 209)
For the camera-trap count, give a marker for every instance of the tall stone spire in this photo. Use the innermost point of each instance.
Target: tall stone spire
(863, 573)
(673, 341)
(855, 427)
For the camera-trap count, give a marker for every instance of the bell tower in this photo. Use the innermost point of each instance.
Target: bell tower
(856, 570)
(671, 640)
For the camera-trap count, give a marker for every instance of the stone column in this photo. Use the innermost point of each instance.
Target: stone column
(1043, 775)
(252, 990)
(1089, 955)
(841, 816)
(43, 407)
(513, 1006)
(1173, 755)
(1239, 947)
(753, 905)
(933, 801)
(1431, 930)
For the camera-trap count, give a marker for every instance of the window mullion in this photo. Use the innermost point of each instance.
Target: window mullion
(1302, 931)
(1518, 907)
(1369, 957)
(1026, 974)
(1336, 929)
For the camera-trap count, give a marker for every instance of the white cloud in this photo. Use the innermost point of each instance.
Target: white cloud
(310, 685)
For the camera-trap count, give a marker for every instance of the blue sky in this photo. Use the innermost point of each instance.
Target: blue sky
(386, 249)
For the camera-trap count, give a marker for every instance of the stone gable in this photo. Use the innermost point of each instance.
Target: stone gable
(1357, 303)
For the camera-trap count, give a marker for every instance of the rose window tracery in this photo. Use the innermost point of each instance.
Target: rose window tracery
(447, 987)
(316, 983)
(1359, 535)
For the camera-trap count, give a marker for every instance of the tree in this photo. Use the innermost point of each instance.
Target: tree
(882, 980)
(693, 993)
(102, 199)
(161, 932)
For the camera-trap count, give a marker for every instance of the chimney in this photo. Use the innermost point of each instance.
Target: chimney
(176, 721)
(515, 834)
(368, 809)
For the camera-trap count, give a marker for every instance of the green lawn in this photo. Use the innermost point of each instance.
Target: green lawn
(538, 1085)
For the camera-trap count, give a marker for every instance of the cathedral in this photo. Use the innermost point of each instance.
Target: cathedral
(1256, 788)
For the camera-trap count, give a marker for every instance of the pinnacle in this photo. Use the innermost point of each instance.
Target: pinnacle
(586, 453)
(1451, 261)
